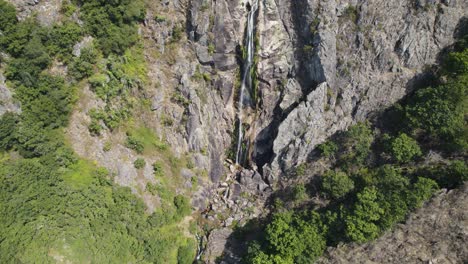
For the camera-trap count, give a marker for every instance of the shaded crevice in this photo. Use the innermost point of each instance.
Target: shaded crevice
(300, 10)
(263, 146)
(304, 38)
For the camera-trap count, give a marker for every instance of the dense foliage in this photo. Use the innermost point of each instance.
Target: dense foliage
(376, 178)
(55, 206)
(113, 23)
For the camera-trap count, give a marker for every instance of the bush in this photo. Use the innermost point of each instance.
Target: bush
(336, 184)
(422, 190)
(404, 149)
(356, 144)
(158, 169)
(186, 253)
(135, 144)
(291, 240)
(361, 224)
(139, 163)
(83, 66)
(113, 24)
(440, 112)
(8, 18)
(328, 149)
(61, 39)
(183, 207)
(300, 192)
(8, 124)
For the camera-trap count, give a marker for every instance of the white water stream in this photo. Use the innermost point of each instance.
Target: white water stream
(245, 92)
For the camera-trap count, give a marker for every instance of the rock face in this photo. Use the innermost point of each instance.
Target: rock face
(6, 101)
(437, 233)
(348, 59)
(47, 11)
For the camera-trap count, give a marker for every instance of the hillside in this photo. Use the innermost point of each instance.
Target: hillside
(240, 131)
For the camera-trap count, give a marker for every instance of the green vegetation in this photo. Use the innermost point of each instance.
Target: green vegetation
(142, 139)
(158, 169)
(404, 148)
(112, 23)
(139, 163)
(83, 66)
(328, 149)
(376, 179)
(337, 184)
(351, 13)
(115, 82)
(54, 205)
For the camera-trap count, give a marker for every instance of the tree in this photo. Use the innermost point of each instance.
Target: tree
(186, 253)
(356, 143)
(361, 223)
(421, 191)
(283, 237)
(404, 148)
(7, 16)
(440, 112)
(336, 184)
(182, 206)
(8, 124)
(293, 239)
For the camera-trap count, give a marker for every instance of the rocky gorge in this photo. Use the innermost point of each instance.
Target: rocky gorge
(320, 66)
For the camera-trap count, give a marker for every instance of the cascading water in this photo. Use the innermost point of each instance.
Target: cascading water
(245, 97)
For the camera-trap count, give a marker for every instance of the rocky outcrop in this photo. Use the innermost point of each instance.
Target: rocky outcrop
(436, 233)
(370, 54)
(233, 203)
(46, 11)
(7, 103)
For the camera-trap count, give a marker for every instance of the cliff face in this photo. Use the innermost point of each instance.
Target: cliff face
(322, 65)
(436, 233)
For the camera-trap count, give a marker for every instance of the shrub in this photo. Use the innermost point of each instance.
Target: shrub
(139, 163)
(183, 207)
(177, 33)
(158, 169)
(336, 184)
(135, 144)
(107, 146)
(113, 24)
(440, 112)
(328, 149)
(186, 253)
(94, 127)
(300, 170)
(356, 142)
(422, 190)
(300, 192)
(404, 148)
(8, 124)
(8, 18)
(361, 224)
(83, 66)
(61, 39)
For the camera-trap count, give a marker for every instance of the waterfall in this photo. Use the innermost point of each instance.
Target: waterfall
(245, 97)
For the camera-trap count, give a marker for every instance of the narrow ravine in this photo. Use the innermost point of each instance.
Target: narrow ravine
(246, 91)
